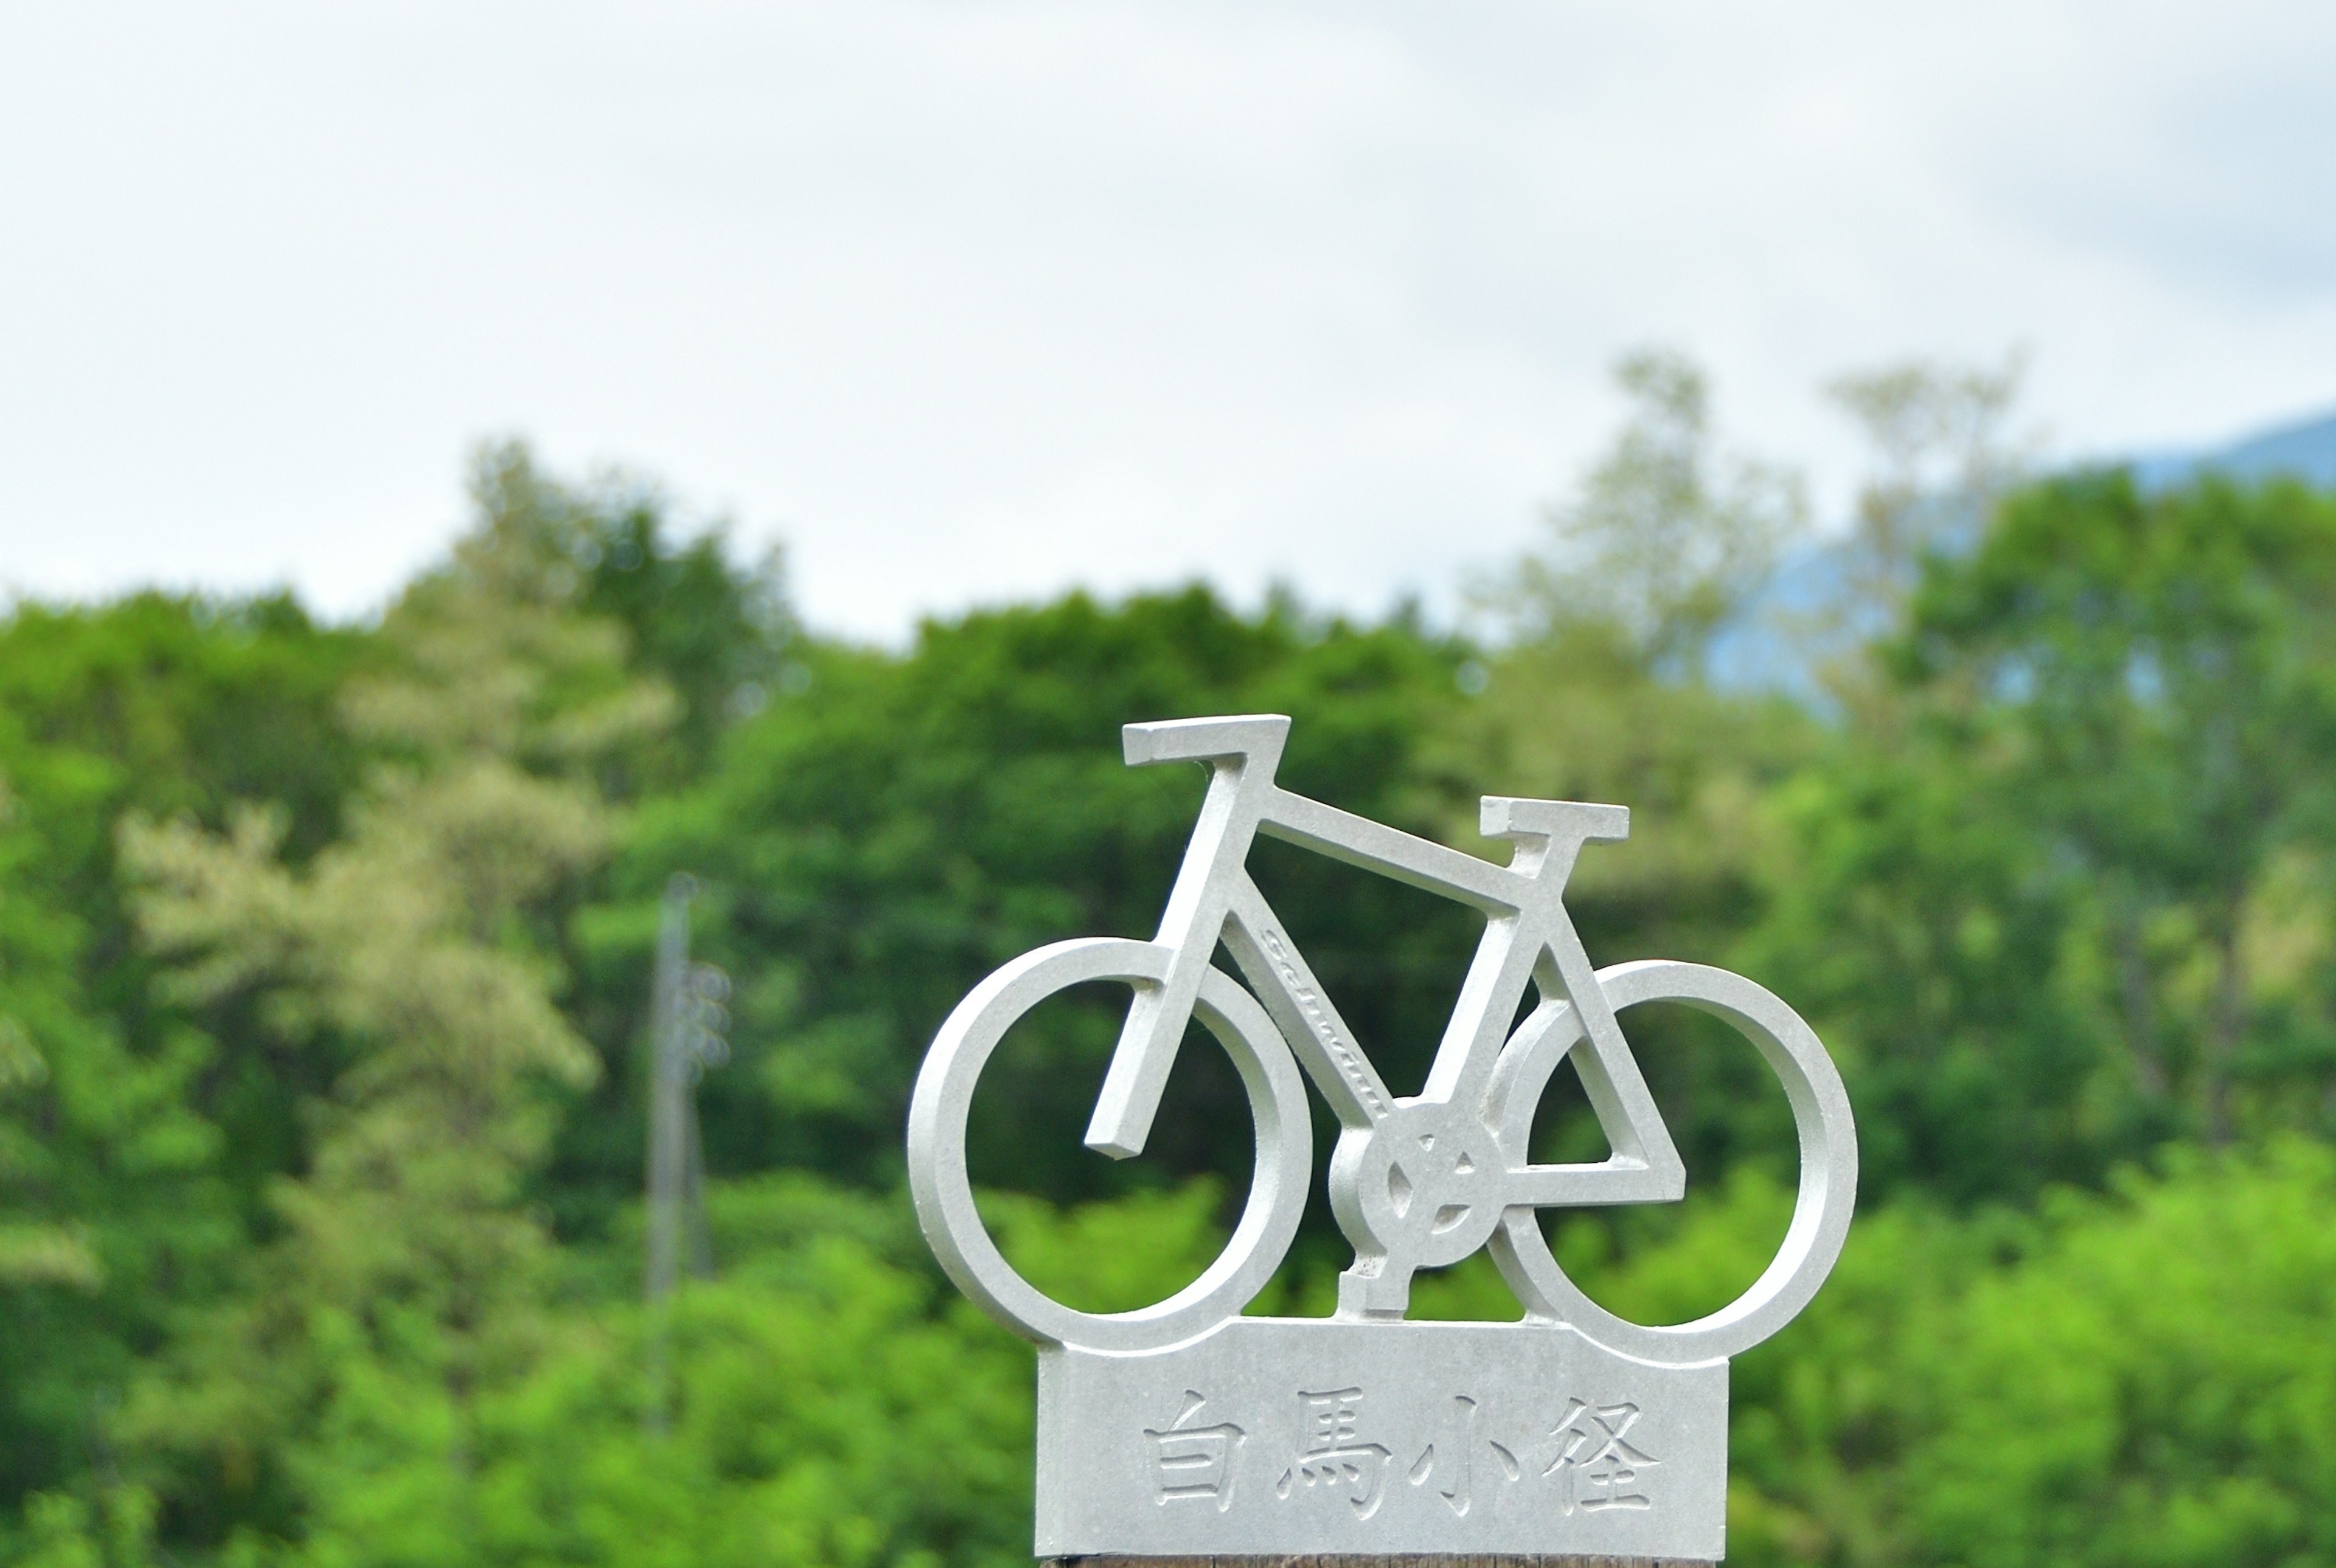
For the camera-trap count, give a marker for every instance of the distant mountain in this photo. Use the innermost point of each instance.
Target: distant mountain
(1759, 651)
(2307, 450)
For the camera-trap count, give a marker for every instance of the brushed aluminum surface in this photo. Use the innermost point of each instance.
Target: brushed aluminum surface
(1416, 1181)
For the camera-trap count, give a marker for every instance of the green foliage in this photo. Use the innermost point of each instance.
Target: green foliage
(827, 1414)
(1666, 537)
(1941, 458)
(324, 952)
(128, 1143)
(175, 705)
(402, 1285)
(2175, 1378)
(714, 635)
(2155, 679)
(1926, 936)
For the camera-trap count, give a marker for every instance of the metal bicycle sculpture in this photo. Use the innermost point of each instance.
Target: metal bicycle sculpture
(1415, 1182)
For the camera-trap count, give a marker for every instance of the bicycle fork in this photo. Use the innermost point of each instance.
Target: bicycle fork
(1242, 754)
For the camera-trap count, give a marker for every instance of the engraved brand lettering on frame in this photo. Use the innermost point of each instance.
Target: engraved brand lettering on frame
(1194, 1461)
(1309, 1003)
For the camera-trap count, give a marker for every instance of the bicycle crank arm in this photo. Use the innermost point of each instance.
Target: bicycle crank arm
(1422, 1188)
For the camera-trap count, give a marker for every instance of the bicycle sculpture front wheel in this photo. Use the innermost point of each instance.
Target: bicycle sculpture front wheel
(943, 1192)
(1821, 1115)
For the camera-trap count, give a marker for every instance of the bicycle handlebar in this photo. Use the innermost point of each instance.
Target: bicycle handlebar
(1250, 738)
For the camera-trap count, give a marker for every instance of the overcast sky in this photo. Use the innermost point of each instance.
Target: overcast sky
(969, 300)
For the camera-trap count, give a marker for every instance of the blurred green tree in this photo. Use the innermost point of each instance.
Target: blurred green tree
(132, 1149)
(1941, 453)
(2151, 681)
(318, 1166)
(406, 1276)
(1666, 537)
(715, 633)
(2155, 1385)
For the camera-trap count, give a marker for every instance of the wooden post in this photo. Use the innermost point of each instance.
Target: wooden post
(1417, 1560)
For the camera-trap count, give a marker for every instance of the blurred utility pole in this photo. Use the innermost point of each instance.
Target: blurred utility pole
(686, 1038)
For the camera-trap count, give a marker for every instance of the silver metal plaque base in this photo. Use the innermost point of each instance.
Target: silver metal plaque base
(1270, 1435)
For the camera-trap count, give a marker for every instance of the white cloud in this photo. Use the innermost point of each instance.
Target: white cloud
(976, 299)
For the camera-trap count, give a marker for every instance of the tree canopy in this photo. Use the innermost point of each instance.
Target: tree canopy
(324, 959)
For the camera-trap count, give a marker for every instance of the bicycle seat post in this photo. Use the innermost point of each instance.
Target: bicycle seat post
(1243, 753)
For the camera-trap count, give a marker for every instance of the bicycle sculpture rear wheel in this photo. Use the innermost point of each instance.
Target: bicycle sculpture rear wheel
(944, 1194)
(1821, 1114)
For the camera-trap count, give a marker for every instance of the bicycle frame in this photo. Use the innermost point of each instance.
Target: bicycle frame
(1418, 1182)
(1528, 938)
